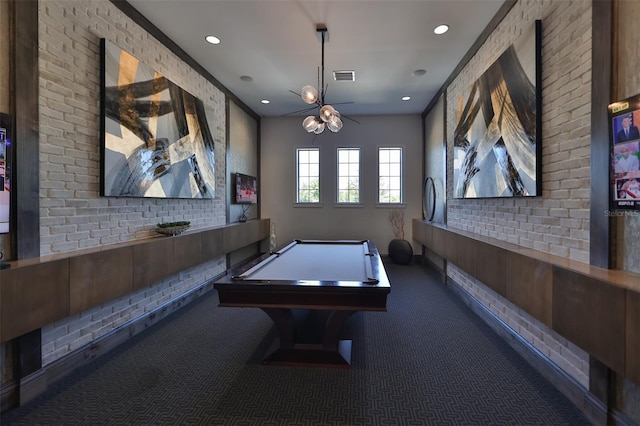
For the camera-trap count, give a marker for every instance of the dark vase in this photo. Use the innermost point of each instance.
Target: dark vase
(400, 251)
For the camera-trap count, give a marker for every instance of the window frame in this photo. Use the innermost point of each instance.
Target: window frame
(390, 204)
(339, 203)
(297, 202)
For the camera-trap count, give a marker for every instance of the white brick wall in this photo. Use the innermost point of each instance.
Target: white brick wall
(558, 221)
(69, 334)
(573, 360)
(73, 216)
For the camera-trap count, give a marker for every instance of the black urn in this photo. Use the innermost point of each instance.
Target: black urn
(400, 251)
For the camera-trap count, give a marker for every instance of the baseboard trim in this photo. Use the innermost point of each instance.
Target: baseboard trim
(9, 397)
(14, 394)
(32, 385)
(594, 409)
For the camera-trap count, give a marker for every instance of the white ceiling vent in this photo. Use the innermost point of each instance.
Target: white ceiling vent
(344, 75)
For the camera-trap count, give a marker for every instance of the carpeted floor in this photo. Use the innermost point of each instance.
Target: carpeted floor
(427, 361)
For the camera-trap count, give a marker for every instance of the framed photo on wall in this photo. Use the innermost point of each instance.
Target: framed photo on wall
(624, 141)
(496, 148)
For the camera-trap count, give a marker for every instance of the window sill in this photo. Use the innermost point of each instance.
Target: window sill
(349, 205)
(308, 205)
(390, 205)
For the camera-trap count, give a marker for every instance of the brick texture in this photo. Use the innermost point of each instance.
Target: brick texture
(558, 221)
(73, 216)
(573, 360)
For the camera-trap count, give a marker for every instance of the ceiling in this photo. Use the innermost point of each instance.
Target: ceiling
(275, 42)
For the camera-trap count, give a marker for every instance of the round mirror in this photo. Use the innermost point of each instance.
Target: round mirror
(428, 199)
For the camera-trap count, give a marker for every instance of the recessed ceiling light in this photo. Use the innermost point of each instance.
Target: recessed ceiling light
(212, 39)
(419, 72)
(265, 101)
(246, 78)
(441, 29)
(406, 98)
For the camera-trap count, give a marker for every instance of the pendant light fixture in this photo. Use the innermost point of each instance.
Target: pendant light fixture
(328, 116)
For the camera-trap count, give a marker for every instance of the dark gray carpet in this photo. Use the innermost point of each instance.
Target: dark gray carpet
(427, 361)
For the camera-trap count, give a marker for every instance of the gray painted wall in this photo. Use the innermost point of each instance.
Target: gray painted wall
(281, 136)
(435, 161)
(435, 166)
(242, 157)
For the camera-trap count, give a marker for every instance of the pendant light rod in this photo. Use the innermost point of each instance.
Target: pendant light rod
(322, 30)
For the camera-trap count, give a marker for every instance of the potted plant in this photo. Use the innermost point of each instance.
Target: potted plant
(400, 250)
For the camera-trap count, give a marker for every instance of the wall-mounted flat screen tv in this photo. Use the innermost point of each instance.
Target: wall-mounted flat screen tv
(246, 189)
(624, 119)
(5, 171)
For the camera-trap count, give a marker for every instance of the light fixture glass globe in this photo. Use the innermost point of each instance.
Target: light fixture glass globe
(335, 124)
(309, 94)
(320, 129)
(327, 112)
(310, 123)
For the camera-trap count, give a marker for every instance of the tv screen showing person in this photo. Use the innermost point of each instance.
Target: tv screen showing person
(631, 188)
(626, 159)
(628, 131)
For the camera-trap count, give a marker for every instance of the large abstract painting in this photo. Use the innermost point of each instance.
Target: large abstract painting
(156, 140)
(496, 140)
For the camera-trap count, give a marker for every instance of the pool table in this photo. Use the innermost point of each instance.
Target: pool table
(309, 288)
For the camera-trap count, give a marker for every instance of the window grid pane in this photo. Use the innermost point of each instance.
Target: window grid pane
(390, 175)
(308, 180)
(348, 175)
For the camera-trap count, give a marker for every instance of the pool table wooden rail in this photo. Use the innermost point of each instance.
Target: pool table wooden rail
(292, 296)
(234, 291)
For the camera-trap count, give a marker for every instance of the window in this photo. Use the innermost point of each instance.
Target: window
(308, 163)
(348, 175)
(390, 175)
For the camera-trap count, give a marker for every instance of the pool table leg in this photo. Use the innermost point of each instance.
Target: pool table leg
(332, 352)
(283, 320)
(332, 329)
